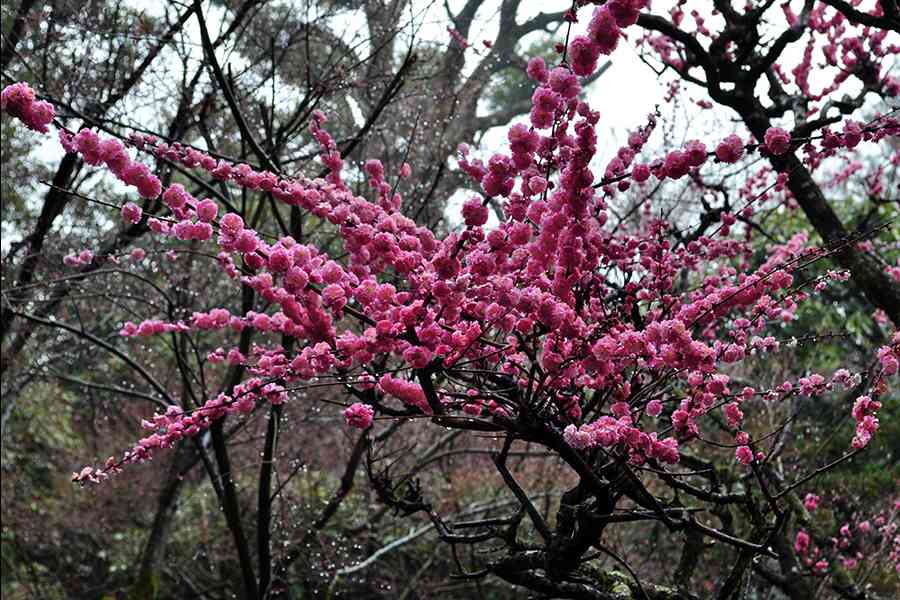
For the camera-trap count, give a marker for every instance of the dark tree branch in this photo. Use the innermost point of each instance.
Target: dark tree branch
(888, 21)
(264, 504)
(521, 496)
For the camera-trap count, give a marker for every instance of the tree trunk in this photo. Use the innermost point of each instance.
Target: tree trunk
(867, 273)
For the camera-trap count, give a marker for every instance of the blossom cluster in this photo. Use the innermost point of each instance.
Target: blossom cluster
(869, 537)
(533, 299)
(609, 431)
(19, 101)
(110, 152)
(83, 258)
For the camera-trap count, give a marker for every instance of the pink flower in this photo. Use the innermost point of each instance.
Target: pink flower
(578, 438)
(537, 184)
(801, 542)
(664, 450)
(16, 97)
(87, 142)
(730, 150)
(474, 212)
(19, 101)
(889, 361)
(206, 210)
(359, 415)
(811, 502)
(812, 385)
(472, 408)
(374, 169)
(583, 54)
(733, 353)
(149, 186)
(744, 455)
(864, 411)
(563, 82)
(695, 151)
(545, 99)
(777, 140)
(417, 356)
(230, 223)
(734, 414)
(537, 69)
(604, 30)
(541, 119)
(852, 134)
(625, 12)
(640, 172)
(175, 196)
(131, 212)
(406, 391)
(676, 165)
(247, 241)
(39, 115)
(654, 408)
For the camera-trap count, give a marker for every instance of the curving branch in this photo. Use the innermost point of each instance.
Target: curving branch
(890, 20)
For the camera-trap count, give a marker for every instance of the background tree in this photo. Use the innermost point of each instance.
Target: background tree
(81, 58)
